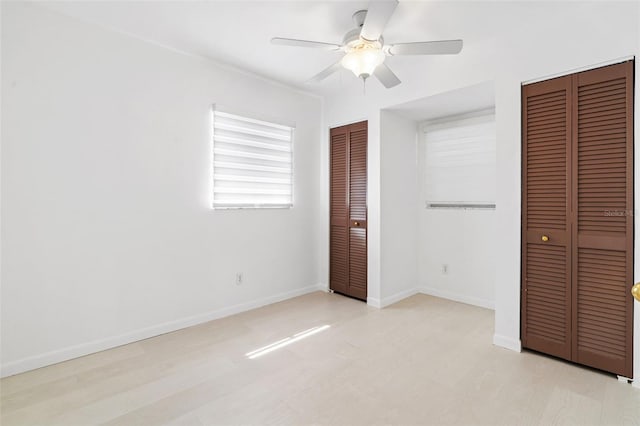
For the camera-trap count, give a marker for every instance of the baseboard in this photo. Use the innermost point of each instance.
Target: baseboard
(397, 297)
(636, 383)
(371, 301)
(507, 343)
(476, 301)
(390, 300)
(65, 354)
(323, 287)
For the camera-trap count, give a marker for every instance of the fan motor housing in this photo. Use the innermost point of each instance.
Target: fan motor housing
(359, 17)
(352, 38)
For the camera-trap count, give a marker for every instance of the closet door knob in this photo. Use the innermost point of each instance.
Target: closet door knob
(635, 291)
(545, 238)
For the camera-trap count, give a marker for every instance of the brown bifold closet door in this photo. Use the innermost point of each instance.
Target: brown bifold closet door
(546, 222)
(603, 193)
(577, 221)
(348, 210)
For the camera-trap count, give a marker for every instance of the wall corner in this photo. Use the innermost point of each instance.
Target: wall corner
(507, 342)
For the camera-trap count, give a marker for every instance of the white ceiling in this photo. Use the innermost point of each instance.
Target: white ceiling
(460, 101)
(238, 33)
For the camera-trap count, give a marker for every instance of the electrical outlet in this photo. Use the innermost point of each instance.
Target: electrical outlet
(239, 278)
(445, 269)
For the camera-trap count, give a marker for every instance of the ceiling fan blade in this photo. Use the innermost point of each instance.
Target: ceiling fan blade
(304, 43)
(386, 76)
(443, 47)
(377, 17)
(325, 73)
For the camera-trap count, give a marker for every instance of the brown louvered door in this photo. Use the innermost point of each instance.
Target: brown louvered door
(603, 188)
(546, 227)
(348, 210)
(339, 212)
(578, 195)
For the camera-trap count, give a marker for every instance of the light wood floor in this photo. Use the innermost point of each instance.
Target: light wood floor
(421, 361)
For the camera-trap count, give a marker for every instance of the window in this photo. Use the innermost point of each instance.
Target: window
(252, 163)
(460, 162)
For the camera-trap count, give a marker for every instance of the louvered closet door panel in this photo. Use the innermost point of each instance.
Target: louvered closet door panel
(603, 249)
(546, 281)
(358, 210)
(358, 175)
(339, 212)
(358, 263)
(348, 235)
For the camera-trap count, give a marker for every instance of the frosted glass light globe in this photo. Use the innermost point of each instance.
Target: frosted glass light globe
(363, 60)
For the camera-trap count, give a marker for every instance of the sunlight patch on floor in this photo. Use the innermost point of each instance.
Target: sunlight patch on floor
(286, 341)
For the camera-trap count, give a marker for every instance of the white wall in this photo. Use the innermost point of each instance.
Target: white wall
(153, 224)
(398, 213)
(463, 240)
(510, 42)
(457, 246)
(1, 97)
(414, 241)
(107, 233)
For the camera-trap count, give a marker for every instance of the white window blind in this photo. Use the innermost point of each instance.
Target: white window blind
(460, 163)
(252, 163)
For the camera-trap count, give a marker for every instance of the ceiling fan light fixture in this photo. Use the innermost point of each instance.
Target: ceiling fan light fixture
(363, 59)
(365, 49)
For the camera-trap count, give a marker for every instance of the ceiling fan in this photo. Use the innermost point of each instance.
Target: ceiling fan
(364, 46)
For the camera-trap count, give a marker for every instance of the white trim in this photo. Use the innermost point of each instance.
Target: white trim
(373, 302)
(398, 297)
(390, 300)
(476, 301)
(60, 355)
(507, 343)
(580, 69)
(636, 384)
(636, 317)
